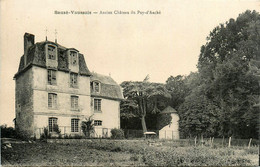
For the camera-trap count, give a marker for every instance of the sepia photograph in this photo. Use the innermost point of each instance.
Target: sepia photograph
(130, 82)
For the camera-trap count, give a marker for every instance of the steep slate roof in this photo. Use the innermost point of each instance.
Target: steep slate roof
(36, 56)
(109, 88)
(168, 110)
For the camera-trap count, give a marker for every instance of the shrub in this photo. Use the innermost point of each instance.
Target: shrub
(8, 132)
(87, 126)
(45, 135)
(76, 136)
(56, 129)
(117, 134)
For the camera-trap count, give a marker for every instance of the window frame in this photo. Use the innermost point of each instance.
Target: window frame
(54, 51)
(98, 122)
(53, 101)
(52, 77)
(74, 122)
(98, 106)
(93, 86)
(73, 58)
(74, 77)
(74, 103)
(51, 122)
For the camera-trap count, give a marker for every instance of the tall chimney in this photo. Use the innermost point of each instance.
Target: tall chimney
(28, 42)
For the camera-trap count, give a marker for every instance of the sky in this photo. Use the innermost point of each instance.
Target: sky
(126, 46)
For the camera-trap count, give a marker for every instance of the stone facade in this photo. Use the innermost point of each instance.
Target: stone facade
(55, 87)
(24, 103)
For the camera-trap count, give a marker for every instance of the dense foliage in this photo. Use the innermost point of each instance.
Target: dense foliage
(222, 102)
(87, 126)
(117, 133)
(142, 98)
(8, 132)
(221, 98)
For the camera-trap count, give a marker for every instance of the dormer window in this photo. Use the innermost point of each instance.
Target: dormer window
(73, 58)
(95, 87)
(51, 52)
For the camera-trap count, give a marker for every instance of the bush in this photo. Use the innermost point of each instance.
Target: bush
(76, 136)
(117, 134)
(87, 126)
(56, 129)
(45, 135)
(8, 132)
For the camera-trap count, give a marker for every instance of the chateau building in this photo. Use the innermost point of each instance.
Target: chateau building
(55, 87)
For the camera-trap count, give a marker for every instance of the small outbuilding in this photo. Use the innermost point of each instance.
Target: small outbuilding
(168, 124)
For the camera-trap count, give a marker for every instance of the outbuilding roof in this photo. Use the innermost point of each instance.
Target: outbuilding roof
(168, 110)
(109, 88)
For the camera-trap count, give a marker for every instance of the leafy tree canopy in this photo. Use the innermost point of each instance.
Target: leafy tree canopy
(142, 98)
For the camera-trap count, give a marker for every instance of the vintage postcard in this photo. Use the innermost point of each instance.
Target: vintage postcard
(129, 82)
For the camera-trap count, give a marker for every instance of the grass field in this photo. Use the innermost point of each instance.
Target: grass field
(125, 153)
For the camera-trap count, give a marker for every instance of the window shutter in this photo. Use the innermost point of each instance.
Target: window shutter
(76, 102)
(72, 102)
(54, 77)
(49, 100)
(49, 76)
(71, 80)
(54, 100)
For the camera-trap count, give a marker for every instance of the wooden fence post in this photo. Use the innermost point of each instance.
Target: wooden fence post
(212, 140)
(195, 141)
(249, 143)
(229, 142)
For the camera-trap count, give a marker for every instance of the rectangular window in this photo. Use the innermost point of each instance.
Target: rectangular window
(51, 52)
(74, 125)
(52, 123)
(52, 100)
(97, 123)
(97, 104)
(52, 77)
(73, 80)
(74, 102)
(73, 58)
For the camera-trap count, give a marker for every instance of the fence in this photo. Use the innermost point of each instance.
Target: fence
(132, 133)
(100, 132)
(161, 134)
(213, 142)
(97, 132)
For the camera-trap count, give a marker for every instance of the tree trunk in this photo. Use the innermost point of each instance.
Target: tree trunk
(143, 124)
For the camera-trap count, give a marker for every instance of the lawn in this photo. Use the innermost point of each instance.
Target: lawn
(125, 153)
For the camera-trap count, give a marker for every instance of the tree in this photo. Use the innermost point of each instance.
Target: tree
(87, 126)
(179, 88)
(228, 71)
(198, 115)
(143, 97)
